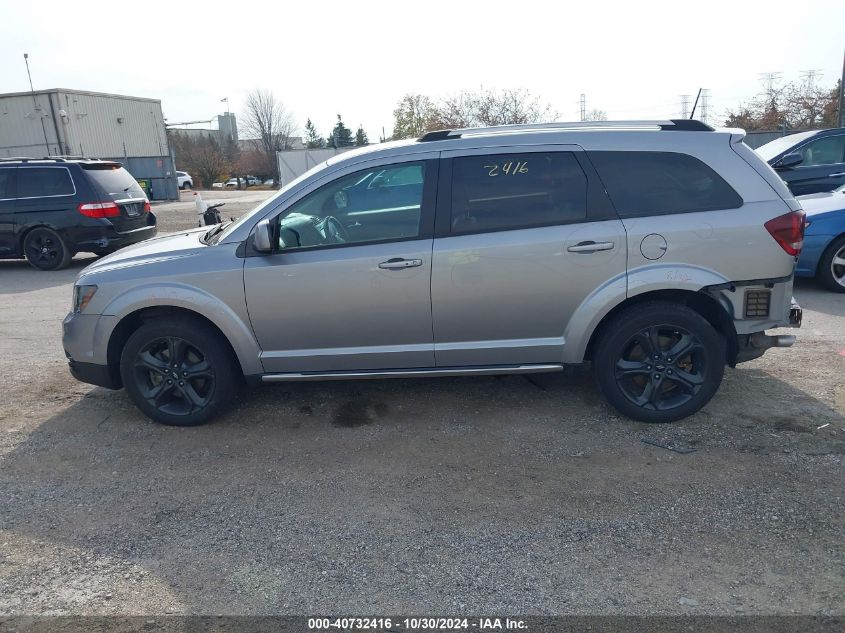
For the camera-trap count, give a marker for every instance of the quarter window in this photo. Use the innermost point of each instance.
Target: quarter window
(662, 183)
(37, 182)
(824, 151)
(515, 191)
(379, 204)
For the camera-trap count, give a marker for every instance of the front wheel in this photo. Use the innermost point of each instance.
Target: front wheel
(178, 371)
(659, 362)
(831, 271)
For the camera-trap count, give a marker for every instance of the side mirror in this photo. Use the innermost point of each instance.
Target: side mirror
(262, 240)
(790, 160)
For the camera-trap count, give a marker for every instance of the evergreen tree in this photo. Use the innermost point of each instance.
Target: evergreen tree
(361, 137)
(341, 135)
(312, 139)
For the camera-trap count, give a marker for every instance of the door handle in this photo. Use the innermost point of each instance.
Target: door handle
(398, 263)
(837, 175)
(590, 247)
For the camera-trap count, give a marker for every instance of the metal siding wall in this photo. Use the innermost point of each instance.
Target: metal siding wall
(94, 130)
(20, 127)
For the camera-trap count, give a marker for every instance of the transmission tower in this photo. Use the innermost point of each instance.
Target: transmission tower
(810, 76)
(583, 107)
(684, 106)
(769, 80)
(705, 104)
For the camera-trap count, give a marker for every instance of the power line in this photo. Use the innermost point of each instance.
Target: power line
(810, 76)
(769, 80)
(684, 106)
(583, 107)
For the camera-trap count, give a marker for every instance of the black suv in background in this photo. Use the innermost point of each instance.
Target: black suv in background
(53, 208)
(809, 162)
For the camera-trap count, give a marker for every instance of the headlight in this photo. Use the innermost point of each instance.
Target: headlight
(82, 295)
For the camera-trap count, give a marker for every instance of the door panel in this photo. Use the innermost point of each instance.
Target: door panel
(349, 284)
(505, 281)
(7, 212)
(506, 298)
(336, 310)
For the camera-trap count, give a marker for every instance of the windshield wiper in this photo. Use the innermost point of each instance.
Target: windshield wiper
(208, 238)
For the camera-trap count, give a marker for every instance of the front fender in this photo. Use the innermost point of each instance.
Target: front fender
(234, 327)
(615, 291)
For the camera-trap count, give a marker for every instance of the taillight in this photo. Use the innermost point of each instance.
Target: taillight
(147, 206)
(788, 231)
(99, 210)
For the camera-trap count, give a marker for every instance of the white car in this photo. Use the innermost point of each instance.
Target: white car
(185, 180)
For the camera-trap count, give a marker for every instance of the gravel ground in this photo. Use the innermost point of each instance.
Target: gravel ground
(470, 495)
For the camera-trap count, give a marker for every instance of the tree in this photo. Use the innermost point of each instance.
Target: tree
(796, 105)
(341, 135)
(414, 116)
(268, 122)
(488, 107)
(312, 139)
(202, 156)
(361, 137)
(596, 115)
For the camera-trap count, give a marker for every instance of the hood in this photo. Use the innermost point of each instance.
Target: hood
(816, 203)
(156, 249)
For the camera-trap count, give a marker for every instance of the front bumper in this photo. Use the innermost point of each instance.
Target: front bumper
(85, 341)
(93, 374)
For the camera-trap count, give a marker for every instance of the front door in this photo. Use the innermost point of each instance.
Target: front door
(523, 238)
(823, 168)
(348, 285)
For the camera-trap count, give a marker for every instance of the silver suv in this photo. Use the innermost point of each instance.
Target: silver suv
(659, 251)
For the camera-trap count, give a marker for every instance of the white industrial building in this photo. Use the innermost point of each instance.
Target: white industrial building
(60, 122)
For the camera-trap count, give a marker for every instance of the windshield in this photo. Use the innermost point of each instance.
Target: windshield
(771, 149)
(268, 202)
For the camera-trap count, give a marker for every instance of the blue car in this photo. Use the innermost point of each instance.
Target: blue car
(823, 254)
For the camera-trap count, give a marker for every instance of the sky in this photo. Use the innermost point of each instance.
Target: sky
(358, 58)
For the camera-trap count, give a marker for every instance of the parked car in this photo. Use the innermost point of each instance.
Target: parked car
(184, 179)
(251, 181)
(53, 208)
(823, 255)
(809, 162)
(660, 252)
(217, 185)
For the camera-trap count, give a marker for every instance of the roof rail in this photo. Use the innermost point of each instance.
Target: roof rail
(58, 159)
(685, 125)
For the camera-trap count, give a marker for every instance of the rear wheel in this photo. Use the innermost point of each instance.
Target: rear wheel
(46, 250)
(179, 372)
(831, 271)
(659, 362)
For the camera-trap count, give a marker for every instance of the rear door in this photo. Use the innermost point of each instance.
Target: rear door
(7, 210)
(823, 168)
(46, 195)
(113, 183)
(524, 235)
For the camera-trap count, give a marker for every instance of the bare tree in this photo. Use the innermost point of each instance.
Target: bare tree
(794, 105)
(596, 115)
(488, 107)
(202, 156)
(268, 122)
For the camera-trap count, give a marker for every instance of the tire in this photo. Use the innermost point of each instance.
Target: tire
(206, 364)
(666, 388)
(46, 250)
(830, 274)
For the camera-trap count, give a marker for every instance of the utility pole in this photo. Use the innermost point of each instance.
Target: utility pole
(810, 77)
(684, 106)
(37, 110)
(583, 107)
(769, 80)
(841, 91)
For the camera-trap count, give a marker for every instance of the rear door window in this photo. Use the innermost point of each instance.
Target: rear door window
(662, 183)
(497, 192)
(42, 182)
(5, 184)
(114, 181)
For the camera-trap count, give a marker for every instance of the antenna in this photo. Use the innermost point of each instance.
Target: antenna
(35, 104)
(694, 105)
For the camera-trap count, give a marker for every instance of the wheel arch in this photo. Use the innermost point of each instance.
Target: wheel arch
(133, 320)
(703, 303)
(826, 249)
